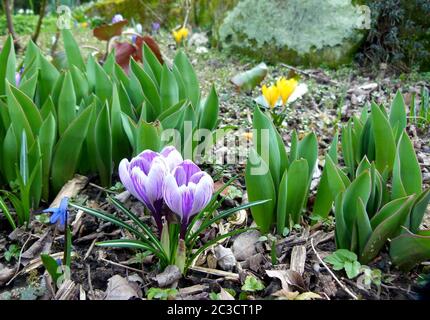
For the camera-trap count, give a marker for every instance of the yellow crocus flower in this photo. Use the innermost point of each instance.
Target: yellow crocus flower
(286, 88)
(180, 34)
(271, 94)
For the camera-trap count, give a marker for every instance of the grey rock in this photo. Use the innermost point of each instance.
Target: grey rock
(244, 245)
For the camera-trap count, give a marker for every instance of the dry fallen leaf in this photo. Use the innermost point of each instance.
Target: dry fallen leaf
(120, 288)
(43, 245)
(288, 277)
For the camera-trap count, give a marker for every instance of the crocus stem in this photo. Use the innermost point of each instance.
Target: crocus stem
(158, 221)
(183, 229)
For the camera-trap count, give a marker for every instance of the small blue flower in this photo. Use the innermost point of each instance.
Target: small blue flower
(61, 213)
(133, 39)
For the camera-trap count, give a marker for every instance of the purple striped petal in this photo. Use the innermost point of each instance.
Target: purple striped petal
(203, 194)
(155, 179)
(172, 195)
(185, 171)
(187, 194)
(124, 176)
(139, 180)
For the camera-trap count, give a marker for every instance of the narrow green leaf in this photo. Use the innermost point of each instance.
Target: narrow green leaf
(65, 159)
(388, 228)
(408, 249)
(259, 185)
(384, 140)
(281, 206)
(297, 189)
(103, 84)
(47, 138)
(364, 230)
(5, 210)
(18, 117)
(359, 188)
(148, 137)
(348, 149)
(342, 234)
(74, 57)
(407, 178)
(103, 140)
(51, 266)
(418, 210)
(398, 114)
(10, 154)
(267, 145)
(66, 107)
(189, 77)
(208, 113)
(152, 62)
(48, 75)
(168, 89)
(7, 65)
(150, 91)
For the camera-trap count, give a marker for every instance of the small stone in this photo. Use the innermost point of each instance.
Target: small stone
(225, 257)
(244, 245)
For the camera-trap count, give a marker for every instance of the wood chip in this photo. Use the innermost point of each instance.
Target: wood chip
(70, 189)
(298, 259)
(193, 289)
(67, 290)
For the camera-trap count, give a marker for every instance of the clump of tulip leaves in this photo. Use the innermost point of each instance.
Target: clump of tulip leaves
(88, 116)
(283, 178)
(376, 197)
(377, 153)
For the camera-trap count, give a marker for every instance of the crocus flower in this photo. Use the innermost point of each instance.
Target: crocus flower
(180, 35)
(271, 94)
(286, 88)
(59, 214)
(155, 27)
(143, 177)
(186, 191)
(117, 18)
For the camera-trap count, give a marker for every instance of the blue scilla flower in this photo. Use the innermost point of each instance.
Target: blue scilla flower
(59, 214)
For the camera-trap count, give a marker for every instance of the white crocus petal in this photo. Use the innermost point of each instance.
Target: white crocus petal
(172, 157)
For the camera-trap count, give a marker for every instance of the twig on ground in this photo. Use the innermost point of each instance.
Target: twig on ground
(396, 288)
(87, 254)
(310, 75)
(90, 284)
(331, 272)
(121, 265)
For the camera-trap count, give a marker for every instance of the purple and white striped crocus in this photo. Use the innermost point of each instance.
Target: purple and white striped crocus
(117, 18)
(144, 175)
(186, 191)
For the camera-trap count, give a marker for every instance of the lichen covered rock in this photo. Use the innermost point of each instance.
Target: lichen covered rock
(309, 32)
